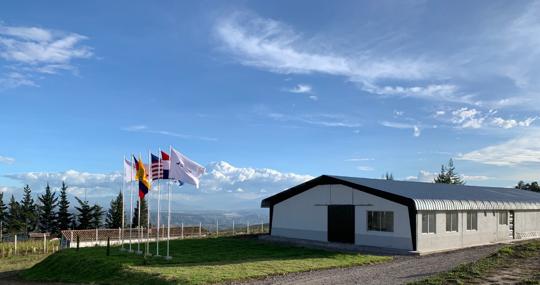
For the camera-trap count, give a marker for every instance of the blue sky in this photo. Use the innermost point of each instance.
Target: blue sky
(268, 94)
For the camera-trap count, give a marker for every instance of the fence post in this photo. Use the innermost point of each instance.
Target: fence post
(247, 228)
(15, 244)
(108, 246)
(262, 227)
(217, 227)
(97, 236)
(120, 236)
(200, 229)
(233, 232)
(182, 232)
(77, 242)
(71, 240)
(44, 243)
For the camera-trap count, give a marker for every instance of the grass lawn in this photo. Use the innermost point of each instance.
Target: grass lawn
(195, 261)
(14, 263)
(509, 259)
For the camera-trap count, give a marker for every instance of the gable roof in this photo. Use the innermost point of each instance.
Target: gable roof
(426, 196)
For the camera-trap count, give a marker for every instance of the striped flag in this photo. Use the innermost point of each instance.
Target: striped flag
(166, 163)
(156, 167)
(142, 177)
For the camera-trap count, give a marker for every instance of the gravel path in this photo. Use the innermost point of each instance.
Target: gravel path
(400, 270)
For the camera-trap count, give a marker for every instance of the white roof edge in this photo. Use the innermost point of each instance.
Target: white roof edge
(450, 205)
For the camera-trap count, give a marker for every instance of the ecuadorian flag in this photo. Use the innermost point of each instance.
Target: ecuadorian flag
(142, 177)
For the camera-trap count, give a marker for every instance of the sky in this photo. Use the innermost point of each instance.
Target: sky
(267, 94)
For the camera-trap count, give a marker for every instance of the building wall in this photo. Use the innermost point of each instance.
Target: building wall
(305, 216)
(527, 224)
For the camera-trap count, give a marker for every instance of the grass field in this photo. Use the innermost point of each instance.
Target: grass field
(15, 263)
(519, 262)
(195, 261)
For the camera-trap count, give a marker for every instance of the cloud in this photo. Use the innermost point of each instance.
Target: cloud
(7, 160)
(439, 92)
(31, 51)
(145, 129)
(511, 123)
(475, 119)
(398, 125)
(325, 120)
(355, 159)
(365, 168)
(423, 176)
(518, 151)
(468, 118)
(313, 97)
(300, 88)
(475, 177)
(223, 185)
(271, 45)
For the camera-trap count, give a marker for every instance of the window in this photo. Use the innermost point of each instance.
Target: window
(380, 221)
(428, 223)
(451, 221)
(472, 221)
(503, 218)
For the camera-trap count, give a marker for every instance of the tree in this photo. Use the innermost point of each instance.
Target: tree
(28, 210)
(3, 211)
(114, 214)
(64, 217)
(448, 175)
(14, 217)
(97, 216)
(388, 176)
(47, 215)
(533, 186)
(144, 214)
(84, 215)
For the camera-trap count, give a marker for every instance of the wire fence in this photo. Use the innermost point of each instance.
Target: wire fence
(23, 244)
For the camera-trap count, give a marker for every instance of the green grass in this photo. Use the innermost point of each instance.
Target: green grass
(14, 263)
(196, 261)
(465, 272)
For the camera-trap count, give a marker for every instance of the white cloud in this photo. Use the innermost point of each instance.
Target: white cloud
(468, 118)
(423, 176)
(313, 97)
(439, 113)
(475, 177)
(145, 129)
(439, 92)
(33, 50)
(511, 123)
(475, 119)
(521, 150)
(325, 120)
(397, 125)
(7, 160)
(365, 168)
(272, 45)
(355, 159)
(300, 88)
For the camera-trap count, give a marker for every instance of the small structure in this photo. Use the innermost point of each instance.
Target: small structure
(401, 215)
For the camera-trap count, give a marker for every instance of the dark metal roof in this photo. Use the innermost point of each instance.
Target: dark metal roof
(427, 196)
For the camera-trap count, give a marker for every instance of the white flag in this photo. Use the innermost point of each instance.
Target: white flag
(129, 171)
(185, 169)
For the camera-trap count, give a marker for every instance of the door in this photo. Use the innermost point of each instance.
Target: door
(341, 223)
(511, 233)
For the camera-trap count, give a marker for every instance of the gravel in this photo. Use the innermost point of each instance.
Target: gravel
(401, 270)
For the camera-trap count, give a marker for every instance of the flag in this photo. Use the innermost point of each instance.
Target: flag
(185, 169)
(166, 164)
(156, 167)
(142, 177)
(129, 171)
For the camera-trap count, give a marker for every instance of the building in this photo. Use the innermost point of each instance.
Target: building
(412, 216)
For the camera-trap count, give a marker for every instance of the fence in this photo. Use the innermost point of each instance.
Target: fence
(12, 245)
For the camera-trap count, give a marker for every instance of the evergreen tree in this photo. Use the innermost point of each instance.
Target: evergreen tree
(84, 215)
(114, 214)
(144, 214)
(64, 217)
(28, 210)
(388, 176)
(47, 214)
(3, 212)
(97, 216)
(448, 175)
(533, 186)
(15, 222)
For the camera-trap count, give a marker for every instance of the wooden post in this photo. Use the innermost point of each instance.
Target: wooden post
(217, 227)
(15, 244)
(182, 232)
(44, 243)
(200, 229)
(71, 239)
(233, 232)
(248, 227)
(108, 246)
(97, 236)
(77, 242)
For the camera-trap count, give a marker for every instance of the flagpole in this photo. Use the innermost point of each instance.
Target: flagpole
(123, 206)
(139, 219)
(148, 205)
(169, 210)
(131, 203)
(158, 202)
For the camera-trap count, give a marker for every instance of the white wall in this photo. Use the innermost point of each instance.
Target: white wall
(527, 224)
(305, 216)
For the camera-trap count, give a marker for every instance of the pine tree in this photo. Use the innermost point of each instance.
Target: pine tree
(388, 176)
(144, 214)
(114, 214)
(47, 214)
(84, 215)
(3, 212)
(64, 217)
(14, 217)
(28, 210)
(448, 175)
(97, 216)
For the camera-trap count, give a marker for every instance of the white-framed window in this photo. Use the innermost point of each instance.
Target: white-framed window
(451, 221)
(503, 218)
(472, 221)
(380, 221)
(428, 223)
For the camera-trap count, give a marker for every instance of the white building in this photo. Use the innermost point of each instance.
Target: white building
(411, 216)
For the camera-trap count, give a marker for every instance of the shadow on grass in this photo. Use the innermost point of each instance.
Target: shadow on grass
(92, 264)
